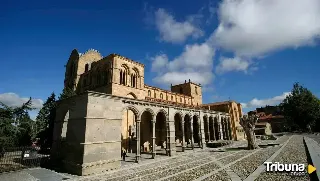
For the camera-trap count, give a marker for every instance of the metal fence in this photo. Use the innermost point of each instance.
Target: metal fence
(17, 158)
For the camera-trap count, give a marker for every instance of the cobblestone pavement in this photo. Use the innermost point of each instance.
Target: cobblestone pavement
(211, 164)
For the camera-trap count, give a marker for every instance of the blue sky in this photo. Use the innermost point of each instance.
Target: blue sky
(249, 51)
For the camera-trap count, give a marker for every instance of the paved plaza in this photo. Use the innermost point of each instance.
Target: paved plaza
(228, 163)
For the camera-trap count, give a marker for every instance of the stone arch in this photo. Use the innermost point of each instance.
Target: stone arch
(188, 119)
(126, 67)
(217, 128)
(133, 109)
(135, 69)
(196, 128)
(180, 114)
(161, 129)
(128, 128)
(164, 112)
(131, 95)
(147, 110)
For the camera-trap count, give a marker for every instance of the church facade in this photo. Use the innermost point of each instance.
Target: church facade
(115, 111)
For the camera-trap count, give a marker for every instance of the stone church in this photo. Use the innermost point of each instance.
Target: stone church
(115, 111)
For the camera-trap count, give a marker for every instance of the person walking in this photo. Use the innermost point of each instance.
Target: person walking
(124, 154)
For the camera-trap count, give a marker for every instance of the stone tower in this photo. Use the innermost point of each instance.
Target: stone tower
(71, 70)
(190, 89)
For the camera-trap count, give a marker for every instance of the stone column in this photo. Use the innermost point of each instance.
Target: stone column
(224, 131)
(199, 132)
(191, 132)
(183, 138)
(220, 128)
(153, 138)
(208, 128)
(213, 129)
(138, 141)
(171, 138)
(230, 128)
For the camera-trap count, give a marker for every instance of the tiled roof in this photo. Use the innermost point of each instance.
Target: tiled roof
(218, 103)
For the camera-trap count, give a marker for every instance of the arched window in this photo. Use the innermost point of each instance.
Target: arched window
(86, 68)
(166, 97)
(133, 80)
(161, 96)
(149, 93)
(171, 98)
(181, 90)
(196, 90)
(180, 99)
(155, 95)
(123, 77)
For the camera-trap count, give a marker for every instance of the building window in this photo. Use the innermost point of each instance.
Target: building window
(180, 99)
(196, 90)
(161, 96)
(86, 68)
(155, 95)
(171, 98)
(167, 97)
(133, 80)
(123, 77)
(149, 93)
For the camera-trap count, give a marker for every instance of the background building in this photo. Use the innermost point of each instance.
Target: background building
(235, 111)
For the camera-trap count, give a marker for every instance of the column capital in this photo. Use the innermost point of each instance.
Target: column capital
(153, 121)
(138, 120)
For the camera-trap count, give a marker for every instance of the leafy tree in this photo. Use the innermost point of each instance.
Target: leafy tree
(301, 109)
(45, 120)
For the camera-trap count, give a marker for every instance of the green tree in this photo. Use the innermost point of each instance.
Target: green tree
(66, 93)
(45, 120)
(301, 109)
(15, 124)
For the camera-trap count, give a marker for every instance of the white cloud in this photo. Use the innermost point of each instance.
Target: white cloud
(254, 103)
(195, 63)
(232, 64)
(14, 100)
(253, 28)
(159, 61)
(173, 31)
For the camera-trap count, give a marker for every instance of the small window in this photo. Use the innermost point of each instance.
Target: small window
(171, 98)
(196, 90)
(155, 95)
(149, 93)
(161, 96)
(86, 68)
(167, 97)
(180, 99)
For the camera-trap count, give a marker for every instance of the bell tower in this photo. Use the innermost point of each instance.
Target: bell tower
(190, 89)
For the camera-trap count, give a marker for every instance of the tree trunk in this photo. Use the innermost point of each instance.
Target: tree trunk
(251, 139)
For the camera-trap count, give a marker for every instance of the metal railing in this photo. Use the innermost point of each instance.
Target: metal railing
(17, 158)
